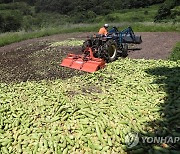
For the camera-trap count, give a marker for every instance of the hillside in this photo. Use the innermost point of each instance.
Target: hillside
(37, 14)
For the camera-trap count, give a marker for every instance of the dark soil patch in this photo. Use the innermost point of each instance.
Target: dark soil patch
(36, 60)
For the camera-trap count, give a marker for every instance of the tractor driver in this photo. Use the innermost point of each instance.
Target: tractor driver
(103, 30)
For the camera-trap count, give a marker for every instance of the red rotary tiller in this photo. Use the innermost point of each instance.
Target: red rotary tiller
(86, 62)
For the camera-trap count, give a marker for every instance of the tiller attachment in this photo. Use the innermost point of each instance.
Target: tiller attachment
(86, 62)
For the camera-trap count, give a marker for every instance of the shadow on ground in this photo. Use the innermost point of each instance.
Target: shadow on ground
(169, 125)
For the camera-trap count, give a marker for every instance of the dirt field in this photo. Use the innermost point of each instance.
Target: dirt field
(36, 60)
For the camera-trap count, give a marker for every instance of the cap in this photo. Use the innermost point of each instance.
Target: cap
(106, 25)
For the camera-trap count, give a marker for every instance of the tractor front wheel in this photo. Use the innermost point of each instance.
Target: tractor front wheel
(124, 50)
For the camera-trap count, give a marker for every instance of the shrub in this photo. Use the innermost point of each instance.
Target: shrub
(165, 10)
(175, 55)
(1, 23)
(12, 24)
(111, 18)
(146, 12)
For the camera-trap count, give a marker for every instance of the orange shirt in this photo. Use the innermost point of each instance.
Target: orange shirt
(103, 31)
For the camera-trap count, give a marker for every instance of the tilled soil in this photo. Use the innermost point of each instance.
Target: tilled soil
(36, 60)
(156, 45)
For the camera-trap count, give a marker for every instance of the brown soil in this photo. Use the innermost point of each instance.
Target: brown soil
(155, 45)
(35, 60)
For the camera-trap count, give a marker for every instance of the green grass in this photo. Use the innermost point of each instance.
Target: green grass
(175, 55)
(131, 15)
(11, 37)
(12, 6)
(137, 15)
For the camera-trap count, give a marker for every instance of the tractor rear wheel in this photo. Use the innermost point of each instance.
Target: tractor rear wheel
(111, 50)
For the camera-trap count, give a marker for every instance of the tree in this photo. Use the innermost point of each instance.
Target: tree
(11, 23)
(6, 1)
(165, 10)
(1, 23)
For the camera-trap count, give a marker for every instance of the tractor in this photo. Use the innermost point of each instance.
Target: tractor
(113, 45)
(98, 50)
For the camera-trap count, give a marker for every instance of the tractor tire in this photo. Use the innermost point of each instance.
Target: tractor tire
(125, 50)
(86, 44)
(110, 48)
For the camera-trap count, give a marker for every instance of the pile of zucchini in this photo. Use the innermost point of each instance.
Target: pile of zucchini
(92, 113)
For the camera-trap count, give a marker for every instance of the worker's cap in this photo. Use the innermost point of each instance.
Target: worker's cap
(106, 25)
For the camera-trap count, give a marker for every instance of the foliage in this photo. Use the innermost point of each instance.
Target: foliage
(10, 23)
(12, 16)
(98, 7)
(175, 55)
(131, 15)
(22, 7)
(165, 10)
(41, 14)
(1, 22)
(6, 1)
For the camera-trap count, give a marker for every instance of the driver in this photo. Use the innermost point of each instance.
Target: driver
(103, 30)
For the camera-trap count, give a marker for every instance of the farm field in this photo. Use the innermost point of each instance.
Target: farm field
(38, 59)
(45, 108)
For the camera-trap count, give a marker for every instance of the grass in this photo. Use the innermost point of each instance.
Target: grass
(132, 15)
(175, 55)
(11, 37)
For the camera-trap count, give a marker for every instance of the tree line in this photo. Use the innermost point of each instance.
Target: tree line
(96, 6)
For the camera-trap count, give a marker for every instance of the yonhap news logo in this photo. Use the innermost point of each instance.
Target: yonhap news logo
(132, 139)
